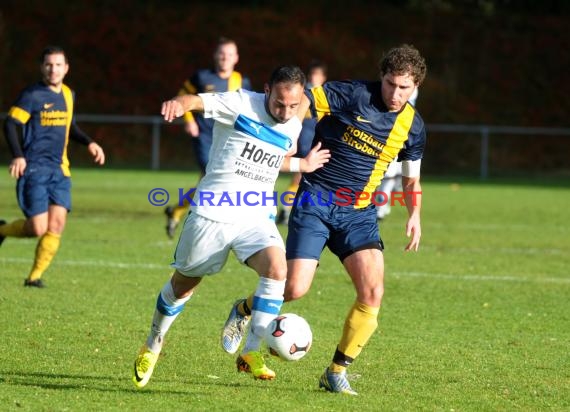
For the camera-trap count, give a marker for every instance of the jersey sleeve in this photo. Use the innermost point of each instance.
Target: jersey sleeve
(222, 107)
(332, 97)
(21, 110)
(79, 135)
(12, 138)
(414, 147)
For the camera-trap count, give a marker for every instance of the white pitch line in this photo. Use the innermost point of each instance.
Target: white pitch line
(475, 277)
(484, 278)
(98, 263)
(494, 226)
(500, 250)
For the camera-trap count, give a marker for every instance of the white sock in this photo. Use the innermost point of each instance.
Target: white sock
(167, 309)
(267, 302)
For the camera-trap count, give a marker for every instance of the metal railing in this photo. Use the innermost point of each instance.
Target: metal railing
(155, 121)
(484, 132)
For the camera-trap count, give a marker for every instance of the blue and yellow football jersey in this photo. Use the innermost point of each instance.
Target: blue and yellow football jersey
(208, 81)
(363, 137)
(46, 117)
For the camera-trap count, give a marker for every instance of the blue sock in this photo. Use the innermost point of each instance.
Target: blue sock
(168, 307)
(267, 302)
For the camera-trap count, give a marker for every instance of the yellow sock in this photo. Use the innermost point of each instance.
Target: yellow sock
(336, 368)
(360, 324)
(14, 229)
(45, 251)
(179, 212)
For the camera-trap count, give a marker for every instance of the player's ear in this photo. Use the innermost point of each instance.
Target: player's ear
(266, 89)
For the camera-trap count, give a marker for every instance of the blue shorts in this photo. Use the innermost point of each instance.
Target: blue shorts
(40, 187)
(343, 229)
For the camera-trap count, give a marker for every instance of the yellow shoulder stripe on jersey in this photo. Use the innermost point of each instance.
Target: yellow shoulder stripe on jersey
(187, 88)
(396, 139)
(68, 97)
(321, 103)
(19, 114)
(234, 82)
(188, 117)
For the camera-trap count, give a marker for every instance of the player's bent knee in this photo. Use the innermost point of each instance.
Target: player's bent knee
(377, 295)
(277, 272)
(36, 231)
(294, 293)
(183, 286)
(371, 296)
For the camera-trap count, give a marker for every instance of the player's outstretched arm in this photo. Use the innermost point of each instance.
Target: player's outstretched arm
(18, 163)
(177, 106)
(413, 199)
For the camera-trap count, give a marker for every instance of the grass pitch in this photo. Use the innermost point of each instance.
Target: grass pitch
(479, 319)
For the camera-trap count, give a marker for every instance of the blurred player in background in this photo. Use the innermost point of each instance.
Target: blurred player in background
(221, 78)
(316, 76)
(44, 111)
(392, 180)
(254, 136)
(365, 125)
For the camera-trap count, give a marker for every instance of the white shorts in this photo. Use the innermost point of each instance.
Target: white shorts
(204, 244)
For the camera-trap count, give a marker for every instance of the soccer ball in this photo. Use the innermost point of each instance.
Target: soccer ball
(288, 337)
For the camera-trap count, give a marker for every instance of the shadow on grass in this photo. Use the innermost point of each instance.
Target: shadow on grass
(73, 382)
(118, 384)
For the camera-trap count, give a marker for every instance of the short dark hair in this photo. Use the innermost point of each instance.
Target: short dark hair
(222, 41)
(52, 50)
(287, 74)
(404, 59)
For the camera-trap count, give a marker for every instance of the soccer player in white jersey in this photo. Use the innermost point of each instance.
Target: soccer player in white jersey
(232, 210)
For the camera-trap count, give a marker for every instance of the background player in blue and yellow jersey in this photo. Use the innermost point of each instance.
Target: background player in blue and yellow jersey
(221, 78)
(40, 163)
(365, 125)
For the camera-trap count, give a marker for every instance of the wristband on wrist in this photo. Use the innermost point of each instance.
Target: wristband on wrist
(295, 164)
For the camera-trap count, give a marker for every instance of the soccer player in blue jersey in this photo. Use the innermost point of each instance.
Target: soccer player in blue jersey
(365, 125)
(221, 78)
(44, 111)
(391, 180)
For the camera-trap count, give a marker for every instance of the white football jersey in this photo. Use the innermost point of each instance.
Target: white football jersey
(247, 151)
